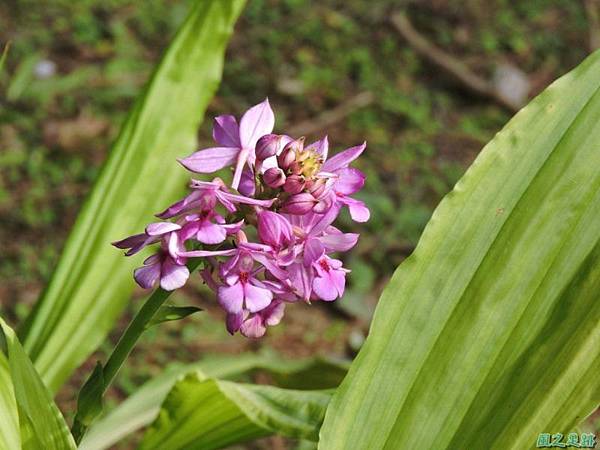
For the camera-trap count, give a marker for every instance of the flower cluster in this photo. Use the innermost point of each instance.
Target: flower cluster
(271, 241)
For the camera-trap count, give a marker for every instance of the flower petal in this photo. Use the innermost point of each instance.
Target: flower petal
(210, 233)
(160, 228)
(339, 242)
(146, 276)
(172, 275)
(234, 321)
(231, 297)
(350, 180)
(257, 298)
(210, 159)
(256, 122)
(344, 158)
(208, 253)
(226, 131)
(325, 288)
(273, 314)
(247, 186)
(313, 250)
(321, 147)
(358, 211)
(253, 327)
(187, 203)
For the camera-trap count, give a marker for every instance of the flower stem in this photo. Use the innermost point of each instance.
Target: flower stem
(99, 381)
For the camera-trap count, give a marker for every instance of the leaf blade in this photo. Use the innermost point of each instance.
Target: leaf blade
(92, 281)
(459, 315)
(211, 414)
(39, 423)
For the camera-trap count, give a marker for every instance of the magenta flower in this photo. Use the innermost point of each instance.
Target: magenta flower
(330, 281)
(242, 290)
(288, 197)
(237, 142)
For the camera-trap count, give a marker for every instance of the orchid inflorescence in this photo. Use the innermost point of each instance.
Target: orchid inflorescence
(278, 223)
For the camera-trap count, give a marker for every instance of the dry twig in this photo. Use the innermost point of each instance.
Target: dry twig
(449, 64)
(334, 115)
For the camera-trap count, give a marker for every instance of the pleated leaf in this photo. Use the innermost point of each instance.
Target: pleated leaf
(204, 414)
(489, 333)
(142, 408)
(29, 419)
(93, 281)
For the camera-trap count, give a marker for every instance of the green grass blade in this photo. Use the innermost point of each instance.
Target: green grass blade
(93, 281)
(29, 419)
(206, 414)
(489, 333)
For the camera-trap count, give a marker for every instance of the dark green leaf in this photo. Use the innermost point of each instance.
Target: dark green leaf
(167, 313)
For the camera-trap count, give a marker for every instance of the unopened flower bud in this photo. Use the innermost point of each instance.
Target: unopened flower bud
(267, 146)
(294, 184)
(299, 204)
(288, 155)
(286, 158)
(274, 177)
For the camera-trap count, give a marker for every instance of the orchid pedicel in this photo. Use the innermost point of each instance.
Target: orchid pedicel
(268, 238)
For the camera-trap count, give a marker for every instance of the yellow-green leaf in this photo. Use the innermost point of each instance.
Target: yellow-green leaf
(29, 419)
(489, 333)
(93, 281)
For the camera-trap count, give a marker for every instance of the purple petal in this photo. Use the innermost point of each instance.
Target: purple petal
(350, 180)
(344, 158)
(247, 186)
(271, 266)
(208, 253)
(339, 242)
(160, 228)
(324, 288)
(147, 276)
(257, 298)
(242, 158)
(231, 297)
(256, 122)
(253, 327)
(274, 229)
(135, 243)
(302, 279)
(313, 250)
(234, 321)
(226, 131)
(241, 199)
(210, 159)
(321, 147)
(338, 279)
(210, 233)
(358, 211)
(189, 202)
(273, 314)
(172, 275)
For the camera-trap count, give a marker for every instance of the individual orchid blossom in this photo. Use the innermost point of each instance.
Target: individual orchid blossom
(283, 194)
(237, 143)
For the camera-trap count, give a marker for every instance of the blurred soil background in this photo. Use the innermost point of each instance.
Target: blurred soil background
(426, 89)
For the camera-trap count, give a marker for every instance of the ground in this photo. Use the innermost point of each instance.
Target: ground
(74, 69)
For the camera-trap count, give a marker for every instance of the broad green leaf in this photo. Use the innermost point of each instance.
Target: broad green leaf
(489, 333)
(206, 414)
(167, 313)
(93, 281)
(29, 419)
(143, 406)
(10, 438)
